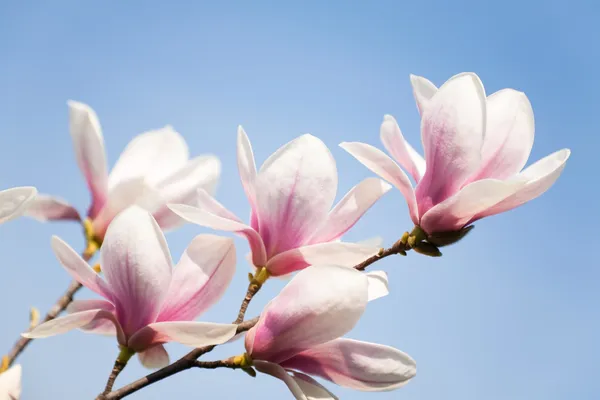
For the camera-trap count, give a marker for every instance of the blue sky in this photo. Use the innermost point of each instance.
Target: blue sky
(509, 313)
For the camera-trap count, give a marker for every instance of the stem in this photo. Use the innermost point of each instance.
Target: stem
(120, 363)
(400, 247)
(256, 283)
(58, 307)
(217, 364)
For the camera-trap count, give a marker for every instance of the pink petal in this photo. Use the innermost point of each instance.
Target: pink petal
(153, 155)
(79, 269)
(423, 90)
(126, 194)
(378, 284)
(213, 215)
(312, 389)
(48, 208)
(98, 326)
(189, 333)
(155, 357)
(89, 152)
(400, 149)
(539, 177)
(508, 136)
(349, 210)
(452, 127)
(378, 162)
(320, 303)
(10, 383)
(14, 202)
(276, 371)
(295, 189)
(182, 188)
(460, 209)
(356, 365)
(137, 264)
(336, 253)
(74, 321)
(246, 165)
(200, 278)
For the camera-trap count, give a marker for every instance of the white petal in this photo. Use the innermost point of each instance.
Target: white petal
(378, 284)
(10, 383)
(295, 189)
(153, 155)
(349, 210)
(99, 326)
(312, 389)
(423, 90)
(336, 253)
(400, 149)
(155, 357)
(189, 333)
(79, 269)
(452, 128)
(200, 278)
(13, 202)
(89, 151)
(276, 371)
(137, 265)
(48, 208)
(378, 162)
(246, 165)
(319, 304)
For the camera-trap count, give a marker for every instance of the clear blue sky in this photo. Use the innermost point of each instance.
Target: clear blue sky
(509, 313)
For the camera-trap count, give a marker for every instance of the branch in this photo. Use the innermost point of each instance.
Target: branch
(400, 247)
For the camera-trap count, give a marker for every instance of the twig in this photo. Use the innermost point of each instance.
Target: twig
(58, 307)
(217, 364)
(400, 247)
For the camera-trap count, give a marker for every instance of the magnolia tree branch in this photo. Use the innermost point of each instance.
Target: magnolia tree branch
(190, 360)
(58, 307)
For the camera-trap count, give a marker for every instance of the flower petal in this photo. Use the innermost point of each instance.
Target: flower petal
(312, 389)
(89, 152)
(508, 136)
(423, 90)
(137, 264)
(378, 162)
(356, 365)
(459, 210)
(295, 189)
(319, 304)
(14, 202)
(153, 155)
(539, 176)
(378, 284)
(10, 383)
(98, 326)
(246, 165)
(349, 210)
(69, 322)
(338, 253)
(400, 149)
(79, 269)
(276, 371)
(48, 208)
(182, 188)
(200, 278)
(189, 333)
(155, 357)
(213, 215)
(452, 128)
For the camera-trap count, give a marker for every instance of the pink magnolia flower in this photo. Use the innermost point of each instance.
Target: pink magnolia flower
(153, 170)
(145, 303)
(475, 148)
(14, 202)
(291, 225)
(10, 383)
(298, 335)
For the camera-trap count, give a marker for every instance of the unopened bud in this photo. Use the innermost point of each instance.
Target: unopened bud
(441, 239)
(34, 317)
(427, 249)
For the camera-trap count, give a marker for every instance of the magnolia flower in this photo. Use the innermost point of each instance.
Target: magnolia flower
(145, 303)
(14, 202)
(475, 148)
(152, 171)
(298, 333)
(291, 225)
(10, 383)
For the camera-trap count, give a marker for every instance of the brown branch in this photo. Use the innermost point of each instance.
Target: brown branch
(217, 364)
(58, 307)
(400, 247)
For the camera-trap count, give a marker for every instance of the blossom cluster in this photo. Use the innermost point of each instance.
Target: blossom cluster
(475, 147)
